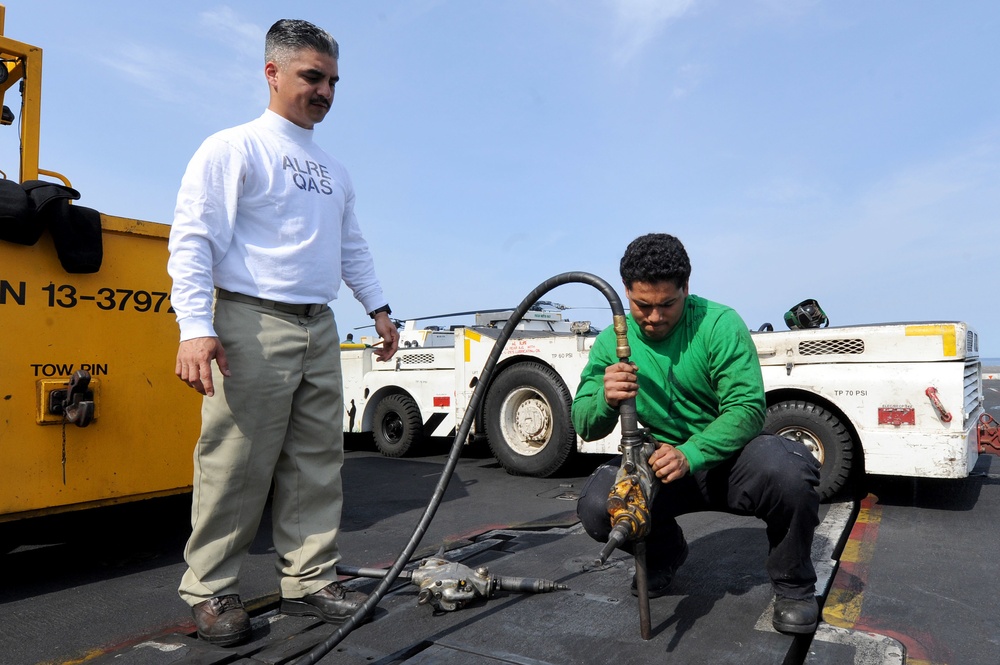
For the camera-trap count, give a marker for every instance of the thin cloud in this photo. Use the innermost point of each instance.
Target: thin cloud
(688, 79)
(225, 26)
(408, 12)
(787, 191)
(171, 74)
(789, 10)
(640, 21)
(152, 69)
(923, 192)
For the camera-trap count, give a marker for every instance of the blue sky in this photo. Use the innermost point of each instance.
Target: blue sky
(847, 151)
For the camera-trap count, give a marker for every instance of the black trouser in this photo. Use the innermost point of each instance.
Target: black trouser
(771, 478)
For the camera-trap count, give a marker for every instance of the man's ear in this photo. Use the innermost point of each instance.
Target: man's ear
(271, 72)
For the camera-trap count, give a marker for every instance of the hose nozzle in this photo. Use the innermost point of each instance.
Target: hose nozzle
(621, 336)
(527, 584)
(616, 538)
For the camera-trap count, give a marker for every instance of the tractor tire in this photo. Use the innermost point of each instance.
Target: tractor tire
(528, 424)
(823, 434)
(397, 425)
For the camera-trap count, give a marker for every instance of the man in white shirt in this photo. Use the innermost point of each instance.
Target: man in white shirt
(263, 234)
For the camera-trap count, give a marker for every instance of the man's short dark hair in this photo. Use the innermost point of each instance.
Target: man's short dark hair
(655, 257)
(290, 35)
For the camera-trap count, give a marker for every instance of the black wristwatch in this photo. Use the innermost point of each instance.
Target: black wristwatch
(383, 308)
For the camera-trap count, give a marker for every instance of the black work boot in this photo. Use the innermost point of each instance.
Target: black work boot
(333, 603)
(798, 617)
(222, 621)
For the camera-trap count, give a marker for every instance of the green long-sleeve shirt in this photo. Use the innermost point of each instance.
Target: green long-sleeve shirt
(700, 388)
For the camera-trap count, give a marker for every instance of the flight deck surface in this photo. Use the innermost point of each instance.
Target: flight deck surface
(908, 575)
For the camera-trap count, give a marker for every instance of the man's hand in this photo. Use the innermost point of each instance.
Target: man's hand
(194, 363)
(620, 383)
(386, 329)
(669, 463)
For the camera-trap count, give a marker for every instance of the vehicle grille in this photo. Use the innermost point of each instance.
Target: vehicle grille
(823, 347)
(973, 388)
(416, 358)
(971, 342)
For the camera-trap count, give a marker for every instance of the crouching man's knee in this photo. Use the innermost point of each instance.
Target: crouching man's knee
(592, 507)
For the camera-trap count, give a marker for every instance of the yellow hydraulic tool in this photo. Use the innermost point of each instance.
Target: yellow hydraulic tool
(635, 486)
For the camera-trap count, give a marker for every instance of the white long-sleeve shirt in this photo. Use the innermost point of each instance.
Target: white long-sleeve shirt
(262, 210)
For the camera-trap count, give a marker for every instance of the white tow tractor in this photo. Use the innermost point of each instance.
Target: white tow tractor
(895, 399)
(426, 387)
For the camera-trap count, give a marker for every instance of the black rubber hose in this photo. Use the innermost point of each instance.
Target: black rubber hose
(375, 598)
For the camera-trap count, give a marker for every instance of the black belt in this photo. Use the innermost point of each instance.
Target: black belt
(287, 308)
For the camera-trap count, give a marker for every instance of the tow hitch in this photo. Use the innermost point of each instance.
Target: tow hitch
(76, 402)
(988, 435)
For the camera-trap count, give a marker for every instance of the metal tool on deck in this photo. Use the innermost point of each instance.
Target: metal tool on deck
(632, 494)
(447, 585)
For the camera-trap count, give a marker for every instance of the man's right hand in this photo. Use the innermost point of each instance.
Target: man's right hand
(194, 363)
(620, 383)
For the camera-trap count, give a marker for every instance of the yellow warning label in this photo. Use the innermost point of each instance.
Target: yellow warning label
(470, 336)
(947, 333)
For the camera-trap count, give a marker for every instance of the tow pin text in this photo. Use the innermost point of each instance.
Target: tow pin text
(67, 369)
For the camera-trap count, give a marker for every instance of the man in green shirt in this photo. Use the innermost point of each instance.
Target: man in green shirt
(695, 376)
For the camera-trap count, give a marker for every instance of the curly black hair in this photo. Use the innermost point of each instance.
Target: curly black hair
(655, 257)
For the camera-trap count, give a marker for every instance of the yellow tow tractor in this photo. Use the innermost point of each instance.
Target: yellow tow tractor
(90, 410)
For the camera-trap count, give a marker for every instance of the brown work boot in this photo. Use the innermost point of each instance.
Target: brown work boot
(222, 621)
(333, 603)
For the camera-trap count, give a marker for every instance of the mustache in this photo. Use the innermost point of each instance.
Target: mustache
(320, 100)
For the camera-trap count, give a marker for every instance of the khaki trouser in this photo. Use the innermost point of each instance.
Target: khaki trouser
(279, 415)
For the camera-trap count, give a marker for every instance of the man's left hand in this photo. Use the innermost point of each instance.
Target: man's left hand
(668, 463)
(386, 329)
